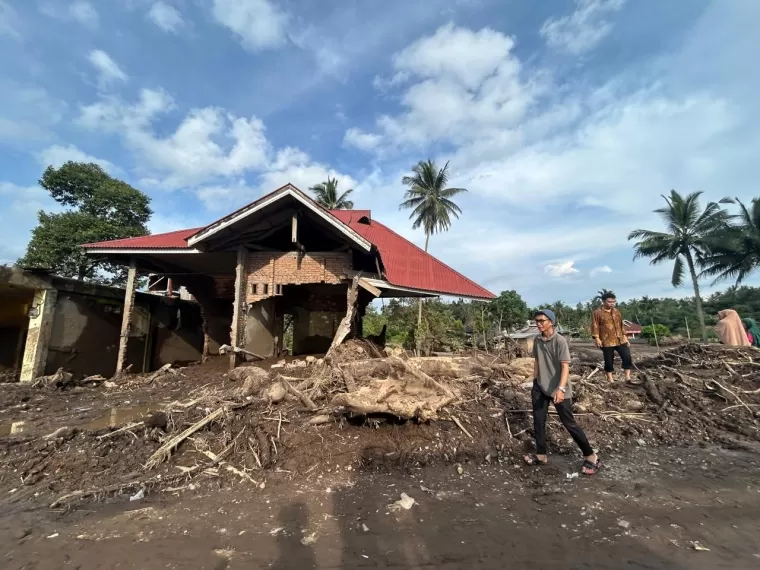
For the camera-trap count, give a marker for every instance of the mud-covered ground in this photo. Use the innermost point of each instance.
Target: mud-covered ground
(260, 484)
(661, 508)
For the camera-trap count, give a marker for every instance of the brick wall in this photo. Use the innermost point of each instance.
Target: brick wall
(266, 271)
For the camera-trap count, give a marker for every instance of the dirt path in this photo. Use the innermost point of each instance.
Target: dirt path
(639, 512)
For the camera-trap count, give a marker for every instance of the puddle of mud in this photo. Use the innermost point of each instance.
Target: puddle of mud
(114, 417)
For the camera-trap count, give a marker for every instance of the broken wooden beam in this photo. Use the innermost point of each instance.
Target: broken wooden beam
(345, 324)
(126, 317)
(371, 289)
(238, 312)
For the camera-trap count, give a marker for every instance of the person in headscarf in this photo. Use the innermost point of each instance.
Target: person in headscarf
(730, 329)
(753, 331)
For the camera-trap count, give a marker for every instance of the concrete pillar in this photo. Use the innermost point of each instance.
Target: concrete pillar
(38, 337)
(126, 317)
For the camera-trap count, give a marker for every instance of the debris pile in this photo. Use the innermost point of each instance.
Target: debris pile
(361, 409)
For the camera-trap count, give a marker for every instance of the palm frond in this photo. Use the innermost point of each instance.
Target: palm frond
(678, 272)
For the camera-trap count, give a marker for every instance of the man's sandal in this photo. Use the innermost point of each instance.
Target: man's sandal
(589, 468)
(533, 460)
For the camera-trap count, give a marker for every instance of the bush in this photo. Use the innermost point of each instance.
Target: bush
(648, 332)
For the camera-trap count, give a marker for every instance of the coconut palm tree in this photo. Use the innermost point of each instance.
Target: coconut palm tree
(686, 241)
(430, 201)
(735, 252)
(429, 198)
(326, 195)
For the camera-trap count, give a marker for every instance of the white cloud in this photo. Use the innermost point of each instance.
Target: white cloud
(84, 13)
(9, 22)
(599, 270)
(166, 17)
(210, 149)
(295, 166)
(473, 77)
(56, 155)
(258, 24)
(582, 30)
(113, 114)
(108, 70)
(79, 11)
(634, 144)
(561, 269)
(363, 141)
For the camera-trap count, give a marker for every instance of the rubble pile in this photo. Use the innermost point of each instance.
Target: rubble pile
(363, 409)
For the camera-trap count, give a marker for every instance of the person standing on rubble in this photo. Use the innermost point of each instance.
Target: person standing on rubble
(551, 372)
(609, 335)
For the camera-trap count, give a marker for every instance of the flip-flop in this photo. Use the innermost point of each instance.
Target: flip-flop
(533, 460)
(589, 468)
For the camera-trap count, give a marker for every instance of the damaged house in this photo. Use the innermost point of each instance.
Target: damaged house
(283, 258)
(49, 322)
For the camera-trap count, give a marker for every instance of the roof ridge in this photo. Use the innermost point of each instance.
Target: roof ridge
(418, 248)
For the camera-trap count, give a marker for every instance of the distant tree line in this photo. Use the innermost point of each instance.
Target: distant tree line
(453, 324)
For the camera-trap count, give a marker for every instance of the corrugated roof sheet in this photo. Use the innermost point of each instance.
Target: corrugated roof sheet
(169, 240)
(406, 265)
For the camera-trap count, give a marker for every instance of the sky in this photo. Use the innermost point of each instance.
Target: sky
(566, 120)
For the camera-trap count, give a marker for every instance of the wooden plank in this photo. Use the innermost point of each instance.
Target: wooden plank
(237, 311)
(367, 286)
(294, 228)
(126, 317)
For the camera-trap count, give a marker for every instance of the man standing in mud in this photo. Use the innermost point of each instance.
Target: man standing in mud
(609, 335)
(551, 372)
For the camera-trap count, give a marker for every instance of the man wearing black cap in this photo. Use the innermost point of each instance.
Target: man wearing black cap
(551, 370)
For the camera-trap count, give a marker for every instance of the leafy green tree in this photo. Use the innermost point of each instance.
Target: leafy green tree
(735, 252)
(101, 208)
(508, 310)
(686, 241)
(326, 195)
(430, 200)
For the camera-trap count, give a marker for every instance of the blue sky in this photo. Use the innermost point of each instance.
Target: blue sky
(565, 119)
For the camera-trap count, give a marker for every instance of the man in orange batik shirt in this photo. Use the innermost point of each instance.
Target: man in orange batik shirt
(609, 335)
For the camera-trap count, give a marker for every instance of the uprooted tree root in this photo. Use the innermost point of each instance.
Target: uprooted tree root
(373, 411)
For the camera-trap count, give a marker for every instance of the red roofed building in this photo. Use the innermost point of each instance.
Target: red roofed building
(632, 330)
(285, 255)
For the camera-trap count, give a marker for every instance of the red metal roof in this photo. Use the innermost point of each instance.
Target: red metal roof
(406, 265)
(170, 240)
